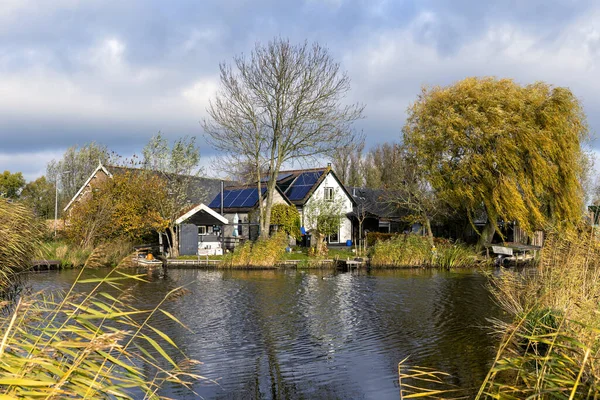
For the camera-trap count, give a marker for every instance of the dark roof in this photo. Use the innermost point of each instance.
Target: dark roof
(374, 203)
(240, 198)
(200, 190)
(294, 185)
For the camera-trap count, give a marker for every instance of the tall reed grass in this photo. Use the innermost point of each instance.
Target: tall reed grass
(91, 345)
(20, 236)
(416, 251)
(260, 254)
(551, 348)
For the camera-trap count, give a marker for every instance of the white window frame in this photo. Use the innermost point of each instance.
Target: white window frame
(202, 230)
(328, 193)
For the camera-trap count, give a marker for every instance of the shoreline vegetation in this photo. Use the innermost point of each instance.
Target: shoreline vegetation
(72, 345)
(551, 347)
(385, 251)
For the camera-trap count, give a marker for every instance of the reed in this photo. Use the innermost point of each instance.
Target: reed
(416, 251)
(92, 345)
(20, 236)
(264, 253)
(550, 349)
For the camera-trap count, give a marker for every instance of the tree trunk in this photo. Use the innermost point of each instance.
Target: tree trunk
(174, 245)
(486, 235)
(428, 230)
(320, 244)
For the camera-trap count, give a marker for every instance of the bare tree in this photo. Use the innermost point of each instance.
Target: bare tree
(347, 162)
(178, 165)
(283, 103)
(408, 190)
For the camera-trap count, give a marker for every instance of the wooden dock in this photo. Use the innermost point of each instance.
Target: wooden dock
(45, 265)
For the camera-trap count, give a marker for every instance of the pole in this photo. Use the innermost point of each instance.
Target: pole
(56, 200)
(55, 205)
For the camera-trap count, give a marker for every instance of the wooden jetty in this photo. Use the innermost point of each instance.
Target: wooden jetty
(45, 265)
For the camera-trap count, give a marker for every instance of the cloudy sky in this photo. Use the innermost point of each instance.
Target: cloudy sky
(117, 72)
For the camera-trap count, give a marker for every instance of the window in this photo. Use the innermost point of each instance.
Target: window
(328, 194)
(202, 230)
(334, 238)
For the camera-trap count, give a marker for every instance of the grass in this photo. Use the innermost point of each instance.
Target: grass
(20, 235)
(416, 251)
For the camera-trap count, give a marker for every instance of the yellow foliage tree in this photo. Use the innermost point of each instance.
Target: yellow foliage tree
(513, 150)
(125, 206)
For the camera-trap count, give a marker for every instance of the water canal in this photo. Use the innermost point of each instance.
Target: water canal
(316, 334)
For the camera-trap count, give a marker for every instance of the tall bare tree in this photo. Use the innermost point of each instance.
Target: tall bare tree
(347, 163)
(282, 103)
(178, 166)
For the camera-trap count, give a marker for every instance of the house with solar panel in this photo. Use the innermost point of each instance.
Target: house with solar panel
(294, 187)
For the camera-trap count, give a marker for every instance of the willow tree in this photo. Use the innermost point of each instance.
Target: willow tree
(282, 104)
(513, 150)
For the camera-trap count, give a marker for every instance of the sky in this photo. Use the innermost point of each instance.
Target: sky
(117, 72)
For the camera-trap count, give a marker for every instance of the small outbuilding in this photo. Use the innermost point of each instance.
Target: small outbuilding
(200, 231)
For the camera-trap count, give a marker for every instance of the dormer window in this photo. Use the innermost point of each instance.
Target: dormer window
(328, 194)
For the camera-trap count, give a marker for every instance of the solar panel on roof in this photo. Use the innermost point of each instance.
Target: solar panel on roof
(298, 192)
(283, 176)
(239, 198)
(302, 185)
(308, 178)
(280, 177)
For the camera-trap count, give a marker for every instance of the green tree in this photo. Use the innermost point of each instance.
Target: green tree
(39, 196)
(11, 184)
(513, 150)
(287, 218)
(323, 217)
(178, 166)
(283, 103)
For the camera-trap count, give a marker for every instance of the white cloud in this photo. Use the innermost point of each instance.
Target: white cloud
(390, 66)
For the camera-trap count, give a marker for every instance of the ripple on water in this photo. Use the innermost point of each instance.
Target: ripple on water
(272, 334)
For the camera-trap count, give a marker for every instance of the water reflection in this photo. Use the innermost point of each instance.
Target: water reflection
(296, 334)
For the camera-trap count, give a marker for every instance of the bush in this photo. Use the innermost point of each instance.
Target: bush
(374, 237)
(260, 254)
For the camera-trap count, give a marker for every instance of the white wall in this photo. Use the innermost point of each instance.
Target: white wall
(340, 195)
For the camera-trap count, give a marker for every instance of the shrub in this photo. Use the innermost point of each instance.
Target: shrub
(262, 253)
(374, 237)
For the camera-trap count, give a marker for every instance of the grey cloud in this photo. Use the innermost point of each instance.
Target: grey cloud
(170, 49)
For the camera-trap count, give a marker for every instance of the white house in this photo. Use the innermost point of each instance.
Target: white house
(297, 187)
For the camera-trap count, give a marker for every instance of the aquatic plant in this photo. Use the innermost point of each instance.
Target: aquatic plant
(262, 253)
(401, 251)
(88, 345)
(454, 255)
(550, 349)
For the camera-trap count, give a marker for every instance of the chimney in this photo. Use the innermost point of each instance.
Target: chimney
(222, 190)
